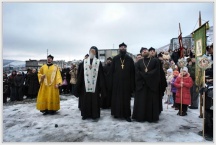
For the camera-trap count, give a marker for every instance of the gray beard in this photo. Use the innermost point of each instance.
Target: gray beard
(91, 55)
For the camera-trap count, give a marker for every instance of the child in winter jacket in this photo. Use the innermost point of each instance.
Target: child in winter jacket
(173, 88)
(168, 93)
(183, 84)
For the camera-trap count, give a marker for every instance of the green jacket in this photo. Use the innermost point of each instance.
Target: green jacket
(191, 70)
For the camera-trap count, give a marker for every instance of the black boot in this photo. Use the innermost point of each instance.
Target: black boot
(128, 119)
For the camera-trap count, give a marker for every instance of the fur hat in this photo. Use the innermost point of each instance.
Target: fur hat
(166, 56)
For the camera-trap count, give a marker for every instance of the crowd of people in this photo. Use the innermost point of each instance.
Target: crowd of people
(151, 79)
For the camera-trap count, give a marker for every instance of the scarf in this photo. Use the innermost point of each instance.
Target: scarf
(91, 74)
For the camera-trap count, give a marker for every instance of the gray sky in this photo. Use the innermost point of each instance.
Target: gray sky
(68, 30)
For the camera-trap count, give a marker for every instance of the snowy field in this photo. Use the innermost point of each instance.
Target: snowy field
(23, 123)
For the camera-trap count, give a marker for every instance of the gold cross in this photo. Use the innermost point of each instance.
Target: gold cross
(122, 66)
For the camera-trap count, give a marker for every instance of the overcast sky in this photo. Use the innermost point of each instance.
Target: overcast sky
(68, 30)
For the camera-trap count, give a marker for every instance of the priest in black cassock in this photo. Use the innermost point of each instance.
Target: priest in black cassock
(90, 85)
(163, 82)
(78, 73)
(123, 84)
(146, 101)
(106, 101)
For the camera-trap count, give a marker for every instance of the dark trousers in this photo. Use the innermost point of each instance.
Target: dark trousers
(174, 97)
(184, 107)
(194, 95)
(208, 124)
(5, 98)
(13, 93)
(72, 88)
(19, 93)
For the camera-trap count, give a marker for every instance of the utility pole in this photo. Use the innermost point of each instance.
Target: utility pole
(47, 52)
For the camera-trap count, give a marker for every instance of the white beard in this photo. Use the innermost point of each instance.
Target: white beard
(91, 55)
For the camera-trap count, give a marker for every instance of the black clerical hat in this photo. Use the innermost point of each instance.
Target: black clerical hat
(120, 45)
(143, 48)
(151, 48)
(50, 56)
(109, 58)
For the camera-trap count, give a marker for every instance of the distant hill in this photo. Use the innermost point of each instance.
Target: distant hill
(6, 61)
(13, 63)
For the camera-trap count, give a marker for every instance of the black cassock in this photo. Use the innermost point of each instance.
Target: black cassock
(90, 102)
(106, 101)
(123, 84)
(162, 85)
(78, 73)
(147, 98)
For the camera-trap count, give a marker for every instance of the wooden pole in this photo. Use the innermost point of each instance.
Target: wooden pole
(181, 93)
(201, 97)
(203, 105)
(201, 101)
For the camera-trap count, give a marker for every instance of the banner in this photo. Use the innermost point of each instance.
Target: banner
(199, 36)
(181, 46)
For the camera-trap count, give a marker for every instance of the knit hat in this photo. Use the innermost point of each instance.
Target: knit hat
(184, 69)
(170, 70)
(175, 73)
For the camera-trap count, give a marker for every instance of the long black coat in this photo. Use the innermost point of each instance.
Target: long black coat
(175, 56)
(33, 84)
(78, 73)
(147, 98)
(90, 102)
(106, 101)
(162, 84)
(123, 85)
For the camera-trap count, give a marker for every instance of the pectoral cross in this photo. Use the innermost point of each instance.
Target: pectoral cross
(122, 66)
(146, 69)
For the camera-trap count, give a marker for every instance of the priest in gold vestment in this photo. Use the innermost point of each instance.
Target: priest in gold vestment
(49, 76)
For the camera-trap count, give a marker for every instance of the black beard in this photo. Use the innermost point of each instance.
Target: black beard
(122, 52)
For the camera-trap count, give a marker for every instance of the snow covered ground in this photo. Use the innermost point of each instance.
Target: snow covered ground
(23, 123)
